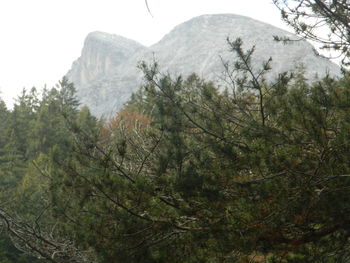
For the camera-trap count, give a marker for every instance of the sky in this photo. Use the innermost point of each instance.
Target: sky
(39, 39)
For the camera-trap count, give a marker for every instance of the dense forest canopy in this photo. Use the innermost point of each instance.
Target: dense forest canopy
(186, 172)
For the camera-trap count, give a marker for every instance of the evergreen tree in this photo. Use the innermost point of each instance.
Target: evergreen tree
(10, 168)
(35, 128)
(187, 173)
(324, 21)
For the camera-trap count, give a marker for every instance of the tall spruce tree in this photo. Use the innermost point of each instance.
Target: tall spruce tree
(32, 131)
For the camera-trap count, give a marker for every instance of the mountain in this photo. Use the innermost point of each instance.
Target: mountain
(106, 73)
(102, 56)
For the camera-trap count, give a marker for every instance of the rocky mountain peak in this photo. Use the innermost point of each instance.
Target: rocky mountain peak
(101, 55)
(106, 74)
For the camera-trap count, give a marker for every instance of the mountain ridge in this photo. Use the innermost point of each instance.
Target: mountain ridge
(106, 73)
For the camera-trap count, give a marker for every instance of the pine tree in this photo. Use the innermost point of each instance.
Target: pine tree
(324, 21)
(259, 170)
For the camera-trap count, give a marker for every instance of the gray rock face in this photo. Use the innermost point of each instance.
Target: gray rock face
(106, 74)
(101, 55)
(100, 58)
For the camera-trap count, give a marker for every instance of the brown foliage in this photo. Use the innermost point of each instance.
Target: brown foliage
(127, 120)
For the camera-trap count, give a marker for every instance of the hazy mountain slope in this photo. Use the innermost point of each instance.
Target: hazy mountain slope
(101, 56)
(194, 46)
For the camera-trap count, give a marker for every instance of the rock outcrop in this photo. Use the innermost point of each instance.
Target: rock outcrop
(106, 74)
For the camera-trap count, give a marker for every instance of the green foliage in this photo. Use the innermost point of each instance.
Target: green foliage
(323, 21)
(9, 254)
(189, 173)
(186, 172)
(28, 134)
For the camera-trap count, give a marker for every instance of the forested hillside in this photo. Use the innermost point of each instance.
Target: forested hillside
(188, 170)
(184, 173)
(35, 128)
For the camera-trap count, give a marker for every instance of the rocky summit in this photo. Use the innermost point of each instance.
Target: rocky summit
(106, 73)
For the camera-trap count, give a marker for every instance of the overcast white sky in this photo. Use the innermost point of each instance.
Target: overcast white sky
(39, 39)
